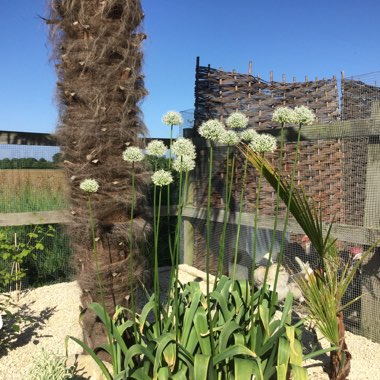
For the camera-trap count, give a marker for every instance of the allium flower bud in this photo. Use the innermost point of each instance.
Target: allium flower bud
(284, 115)
(248, 135)
(133, 154)
(162, 178)
(229, 138)
(211, 130)
(89, 186)
(184, 147)
(264, 143)
(183, 164)
(237, 120)
(156, 148)
(172, 118)
(304, 115)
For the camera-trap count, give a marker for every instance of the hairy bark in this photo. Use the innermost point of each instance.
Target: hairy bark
(98, 57)
(340, 360)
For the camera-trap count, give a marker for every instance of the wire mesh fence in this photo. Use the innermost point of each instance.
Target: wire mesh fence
(338, 166)
(32, 182)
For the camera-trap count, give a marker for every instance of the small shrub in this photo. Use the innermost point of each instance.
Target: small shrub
(49, 367)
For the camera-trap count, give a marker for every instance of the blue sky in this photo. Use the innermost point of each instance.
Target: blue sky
(294, 37)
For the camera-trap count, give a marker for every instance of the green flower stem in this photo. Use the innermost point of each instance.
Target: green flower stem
(156, 275)
(156, 222)
(176, 252)
(279, 258)
(208, 251)
(255, 315)
(94, 251)
(100, 286)
(133, 303)
(168, 198)
(277, 205)
(229, 187)
(239, 217)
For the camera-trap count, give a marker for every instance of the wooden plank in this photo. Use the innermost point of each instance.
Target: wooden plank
(29, 218)
(57, 217)
(347, 233)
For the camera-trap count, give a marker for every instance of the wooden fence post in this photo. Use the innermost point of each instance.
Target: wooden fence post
(371, 266)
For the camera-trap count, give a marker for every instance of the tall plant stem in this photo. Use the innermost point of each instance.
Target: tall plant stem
(133, 303)
(100, 286)
(229, 186)
(254, 315)
(294, 168)
(208, 232)
(156, 275)
(176, 252)
(242, 191)
(168, 198)
(277, 207)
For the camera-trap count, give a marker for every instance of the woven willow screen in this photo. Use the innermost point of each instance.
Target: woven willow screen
(338, 165)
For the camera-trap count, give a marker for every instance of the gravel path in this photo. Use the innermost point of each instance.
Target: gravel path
(55, 311)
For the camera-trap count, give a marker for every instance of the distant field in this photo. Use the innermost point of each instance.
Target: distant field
(23, 190)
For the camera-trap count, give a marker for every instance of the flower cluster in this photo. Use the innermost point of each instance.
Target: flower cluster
(229, 138)
(284, 115)
(211, 130)
(248, 135)
(162, 178)
(263, 143)
(237, 120)
(183, 164)
(89, 186)
(184, 147)
(300, 115)
(133, 154)
(172, 118)
(304, 115)
(156, 148)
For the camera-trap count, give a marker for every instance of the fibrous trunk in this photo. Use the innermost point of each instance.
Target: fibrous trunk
(98, 58)
(340, 360)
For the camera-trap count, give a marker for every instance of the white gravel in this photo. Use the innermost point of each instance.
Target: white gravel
(56, 312)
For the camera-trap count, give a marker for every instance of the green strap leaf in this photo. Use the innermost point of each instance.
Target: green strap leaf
(202, 366)
(231, 352)
(201, 327)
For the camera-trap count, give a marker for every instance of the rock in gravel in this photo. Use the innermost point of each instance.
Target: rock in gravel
(86, 368)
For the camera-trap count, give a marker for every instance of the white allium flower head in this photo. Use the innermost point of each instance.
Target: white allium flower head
(263, 143)
(248, 135)
(284, 115)
(184, 147)
(237, 120)
(162, 178)
(133, 154)
(156, 148)
(211, 129)
(89, 186)
(183, 164)
(172, 118)
(229, 138)
(304, 115)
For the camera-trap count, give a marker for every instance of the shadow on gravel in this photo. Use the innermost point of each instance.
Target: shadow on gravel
(29, 327)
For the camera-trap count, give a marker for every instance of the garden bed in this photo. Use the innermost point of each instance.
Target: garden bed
(55, 313)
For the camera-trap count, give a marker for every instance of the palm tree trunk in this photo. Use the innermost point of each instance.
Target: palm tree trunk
(97, 52)
(340, 360)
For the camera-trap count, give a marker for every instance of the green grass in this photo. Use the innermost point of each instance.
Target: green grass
(27, 190)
